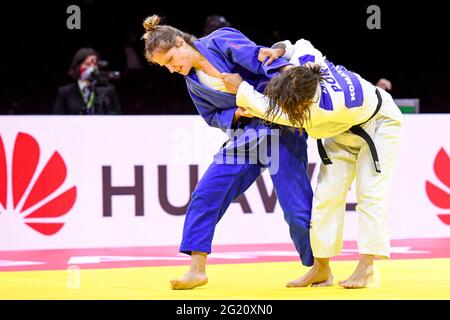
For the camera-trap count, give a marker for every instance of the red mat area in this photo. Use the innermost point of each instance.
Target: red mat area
(94, 258)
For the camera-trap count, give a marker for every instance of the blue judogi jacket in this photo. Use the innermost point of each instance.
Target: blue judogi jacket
(228, 50)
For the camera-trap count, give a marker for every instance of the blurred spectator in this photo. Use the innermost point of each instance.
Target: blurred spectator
(132, 62)
(87, 95)
(9, 107)
(214, 22)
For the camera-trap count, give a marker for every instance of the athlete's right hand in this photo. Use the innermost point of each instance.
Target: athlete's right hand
(241, 112)
(272, 54)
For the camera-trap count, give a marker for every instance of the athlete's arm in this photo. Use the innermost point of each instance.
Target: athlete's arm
(236, 47)
(283, 49)
(250, 100)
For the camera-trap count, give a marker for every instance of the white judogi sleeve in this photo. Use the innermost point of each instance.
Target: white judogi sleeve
(257, 104)
(300, 53)
(342, 100)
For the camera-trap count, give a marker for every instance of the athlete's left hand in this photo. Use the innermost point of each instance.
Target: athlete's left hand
(271, 53)
(232, 81)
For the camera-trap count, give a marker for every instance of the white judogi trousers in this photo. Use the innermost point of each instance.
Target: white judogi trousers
(352, 159)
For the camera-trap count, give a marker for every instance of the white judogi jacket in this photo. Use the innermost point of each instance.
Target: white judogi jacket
(343, 100)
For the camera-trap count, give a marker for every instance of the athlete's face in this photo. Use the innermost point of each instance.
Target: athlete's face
(178, 59)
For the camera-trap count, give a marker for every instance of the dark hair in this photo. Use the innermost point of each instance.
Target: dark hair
(78, 58)
(292, 92)
(161, 36)
(214, 22)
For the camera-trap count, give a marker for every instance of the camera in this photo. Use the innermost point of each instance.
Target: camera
(99, 77)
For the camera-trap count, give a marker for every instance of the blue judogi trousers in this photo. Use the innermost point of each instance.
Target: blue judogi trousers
(223, 183)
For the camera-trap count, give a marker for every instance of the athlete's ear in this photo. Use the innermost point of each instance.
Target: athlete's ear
(179, 42)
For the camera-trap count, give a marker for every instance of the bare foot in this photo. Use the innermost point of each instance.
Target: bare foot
(327, 283)
(190, 280)
(316, 275)
(361, 278)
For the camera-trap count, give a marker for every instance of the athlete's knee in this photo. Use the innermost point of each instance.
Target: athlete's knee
(298, 221)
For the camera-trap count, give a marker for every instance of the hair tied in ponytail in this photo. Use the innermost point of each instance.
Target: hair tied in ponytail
(151, 22)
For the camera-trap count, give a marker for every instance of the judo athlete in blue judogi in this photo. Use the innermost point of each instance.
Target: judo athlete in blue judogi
(202, 62)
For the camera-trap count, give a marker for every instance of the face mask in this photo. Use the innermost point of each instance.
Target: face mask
(85, 73)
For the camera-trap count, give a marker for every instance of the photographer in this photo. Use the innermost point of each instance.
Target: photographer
(91, 93)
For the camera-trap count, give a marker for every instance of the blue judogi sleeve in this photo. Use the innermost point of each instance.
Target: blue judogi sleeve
(240, 50)
(214, 117)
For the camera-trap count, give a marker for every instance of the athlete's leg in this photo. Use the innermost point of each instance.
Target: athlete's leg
(328, 210)
(372, 190)
(293, 189)
(219, 186)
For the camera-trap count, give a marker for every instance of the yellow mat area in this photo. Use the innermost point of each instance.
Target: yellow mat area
(395, 279)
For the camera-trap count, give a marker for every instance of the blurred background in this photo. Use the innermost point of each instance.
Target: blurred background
(73, 196)
(410, 49)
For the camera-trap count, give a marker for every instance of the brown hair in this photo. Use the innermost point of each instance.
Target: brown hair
(292, 92)
(161, 36)
(78, 59)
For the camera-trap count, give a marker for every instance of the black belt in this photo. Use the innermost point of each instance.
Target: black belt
(358, 130)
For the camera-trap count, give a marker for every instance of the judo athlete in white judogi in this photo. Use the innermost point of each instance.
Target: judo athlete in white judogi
(358, 128)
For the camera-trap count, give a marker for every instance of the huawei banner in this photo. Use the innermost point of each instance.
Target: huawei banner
(85, 182)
